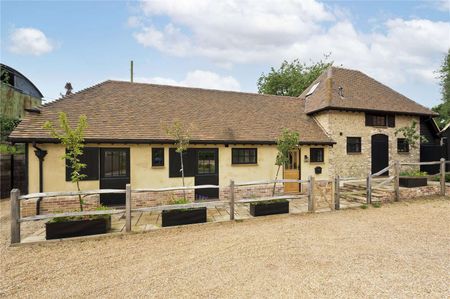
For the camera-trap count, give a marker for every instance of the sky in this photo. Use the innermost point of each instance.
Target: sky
(223, 44)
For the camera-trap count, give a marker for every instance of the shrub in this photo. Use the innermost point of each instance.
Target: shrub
(364, 206)
(413, 173)
(376, 204)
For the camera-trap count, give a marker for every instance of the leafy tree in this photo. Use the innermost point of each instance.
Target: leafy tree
(7, 126)
(444, 76)
(292, 78)
(181, 134)
(287, 141)
(411, 135)
(73, 139)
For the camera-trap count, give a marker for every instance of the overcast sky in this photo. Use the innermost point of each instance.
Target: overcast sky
(223, 44)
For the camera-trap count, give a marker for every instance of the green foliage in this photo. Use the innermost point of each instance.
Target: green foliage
(438, 178)
(7, 125)
(4, 75)
(86, 217)
(179, 201)
(364, 206)
(376, 204)
(444, 77)
(73, 140)
(292, 78)
(410, 133)
(286, 142)
(12, 149)
(413, 172)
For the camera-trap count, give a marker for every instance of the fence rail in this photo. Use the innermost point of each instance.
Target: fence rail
(16, 198)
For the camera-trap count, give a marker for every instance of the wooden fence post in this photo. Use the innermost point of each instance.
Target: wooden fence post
(369, 189)
(15, 216)
(337, 191)
(128, 208)
(311, 199)
(397, 180)
(231, 200)
(442, 176)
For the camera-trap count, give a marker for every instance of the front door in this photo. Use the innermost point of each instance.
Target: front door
(292, 172)
(207, 173)
(114, 173)
(380, 153)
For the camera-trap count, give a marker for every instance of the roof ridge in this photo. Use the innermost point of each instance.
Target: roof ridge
(75, 93)
(207, 89)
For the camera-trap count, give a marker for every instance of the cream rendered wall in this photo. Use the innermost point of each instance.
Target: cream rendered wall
(352, 124)
(143, 175)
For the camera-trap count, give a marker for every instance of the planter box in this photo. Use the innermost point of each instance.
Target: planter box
(262, 209)
(76, 228)
(413, 181)
(183, 216)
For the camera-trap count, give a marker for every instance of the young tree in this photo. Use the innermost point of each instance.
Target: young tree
(444, 76)
(292, 78)
(181, 135)
(413, 138)
(73, 140)
(287, 141)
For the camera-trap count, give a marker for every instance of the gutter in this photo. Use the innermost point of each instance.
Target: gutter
(40, 154)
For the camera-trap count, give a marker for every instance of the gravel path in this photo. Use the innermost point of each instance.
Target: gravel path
(399, 250)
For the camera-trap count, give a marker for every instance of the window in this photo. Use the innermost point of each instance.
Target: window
(316, 154)
(189, 160)
(115, 163)
(243, 156)
(90, 157)
(353, 144)
(206, 162)
(380, 120)
(157, 156)
(402, 145)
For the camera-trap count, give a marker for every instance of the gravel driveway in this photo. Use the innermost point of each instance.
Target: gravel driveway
(399, 250)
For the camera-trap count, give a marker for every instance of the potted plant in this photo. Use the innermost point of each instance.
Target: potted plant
(413, 178)
(75, 226)
(73, 140)
(270, 207)
(183, 216)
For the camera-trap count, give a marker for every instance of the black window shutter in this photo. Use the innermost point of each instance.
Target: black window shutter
(369, 120)
(90, 157)
(391, 120)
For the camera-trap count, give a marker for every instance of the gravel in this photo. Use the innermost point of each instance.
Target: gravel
(399, 250)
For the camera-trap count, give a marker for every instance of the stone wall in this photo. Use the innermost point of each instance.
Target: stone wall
(342, 124)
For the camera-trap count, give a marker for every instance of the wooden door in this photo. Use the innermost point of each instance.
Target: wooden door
(292, 172)
(380, 153)
(207, 173)
(114, 173)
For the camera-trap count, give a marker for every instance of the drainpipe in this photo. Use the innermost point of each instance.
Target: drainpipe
(40, 154)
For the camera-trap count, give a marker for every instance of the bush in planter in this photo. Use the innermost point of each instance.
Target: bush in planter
(74, 226)
(413, 178)
(269, 207)
(184, 215)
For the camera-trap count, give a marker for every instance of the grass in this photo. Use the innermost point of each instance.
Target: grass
(376, 204)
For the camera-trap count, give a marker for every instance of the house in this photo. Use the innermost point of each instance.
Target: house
(18, 93)
(346, 121)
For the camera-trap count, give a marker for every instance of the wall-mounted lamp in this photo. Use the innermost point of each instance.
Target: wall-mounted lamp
(306, 158)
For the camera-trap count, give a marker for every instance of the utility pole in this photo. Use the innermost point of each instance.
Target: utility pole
(131, 71)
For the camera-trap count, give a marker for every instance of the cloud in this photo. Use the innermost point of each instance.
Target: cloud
(247, 32)
(29, 41)
(197, 78)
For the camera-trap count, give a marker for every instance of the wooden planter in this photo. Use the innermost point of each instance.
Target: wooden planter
(269, 208)
(76, 228)
(183, 216)
(413, 181)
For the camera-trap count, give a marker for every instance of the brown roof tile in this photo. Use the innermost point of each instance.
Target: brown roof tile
(361, 92)
(134, 112)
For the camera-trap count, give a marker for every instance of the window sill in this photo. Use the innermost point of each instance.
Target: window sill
(354, 153)
(158, 167)
(403, 153)
(244, 164)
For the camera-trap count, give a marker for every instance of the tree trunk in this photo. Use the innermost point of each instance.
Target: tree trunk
(276, 178)
(79, 197)
(182, 175)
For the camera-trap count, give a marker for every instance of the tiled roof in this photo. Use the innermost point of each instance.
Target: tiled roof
(360, 92)
(134, 112)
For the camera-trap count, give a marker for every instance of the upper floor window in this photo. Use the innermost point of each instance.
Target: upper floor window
(243, 156)
(317, 154)
(402, 145)
(353, 144)
(380, 120)
(157, 156)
